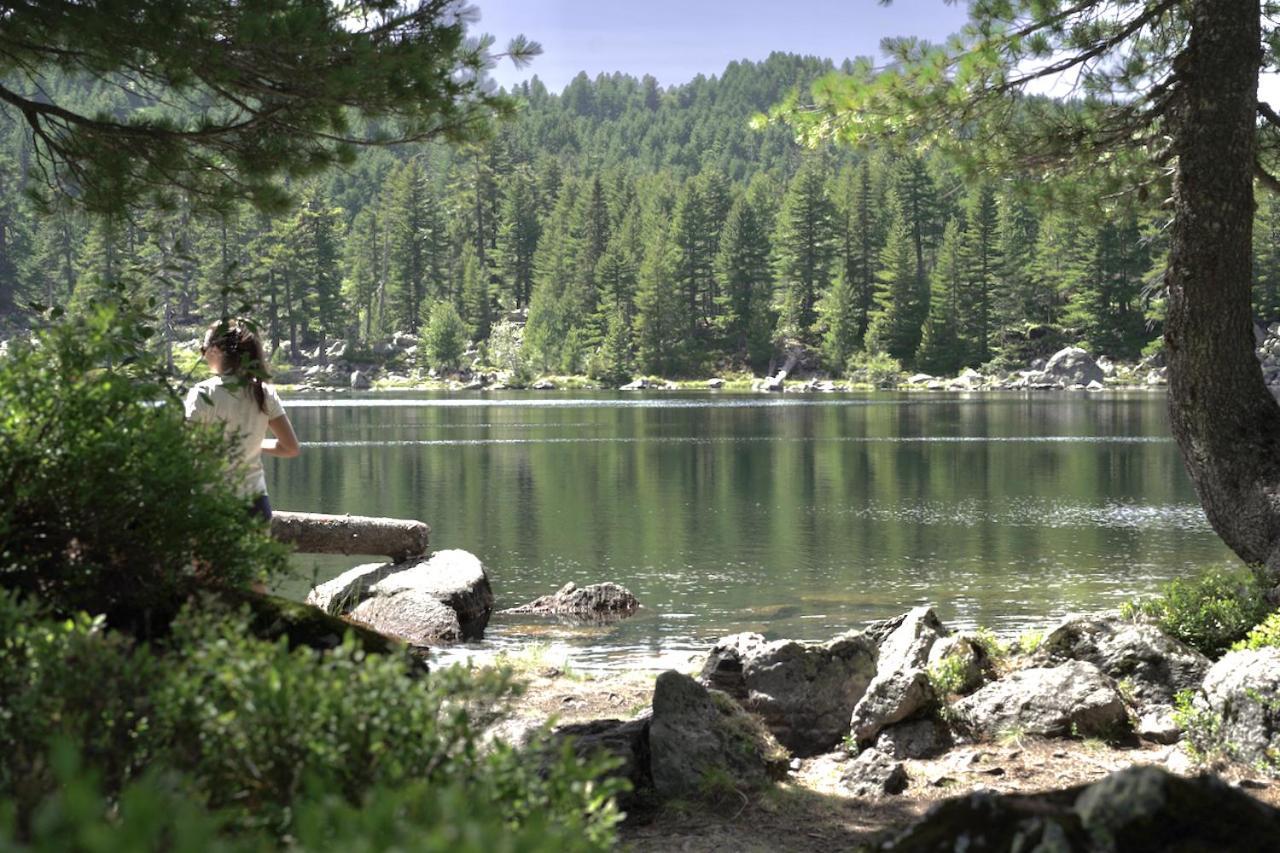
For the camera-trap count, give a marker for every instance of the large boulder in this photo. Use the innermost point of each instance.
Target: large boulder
(1075, 698)
(1138, 808)
(418, 619)
(805, 692)
(1242, 691)
(453, 579)
(874, 774)
(923, 738)
(1151, 667)
(701, 739)
(901, 687)
(595, 601)
(625, 740)
(1072, 366)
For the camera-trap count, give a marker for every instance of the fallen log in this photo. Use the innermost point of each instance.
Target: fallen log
(316, 533)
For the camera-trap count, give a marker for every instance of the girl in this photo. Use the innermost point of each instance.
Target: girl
(238, 398)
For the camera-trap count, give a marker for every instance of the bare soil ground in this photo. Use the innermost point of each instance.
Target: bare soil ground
(810, 811)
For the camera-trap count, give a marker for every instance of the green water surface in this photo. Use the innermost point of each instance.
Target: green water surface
(796, 516)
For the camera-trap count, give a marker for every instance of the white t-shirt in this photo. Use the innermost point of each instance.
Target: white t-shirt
(231, 403)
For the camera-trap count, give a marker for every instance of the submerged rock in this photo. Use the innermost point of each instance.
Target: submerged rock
(595, 601)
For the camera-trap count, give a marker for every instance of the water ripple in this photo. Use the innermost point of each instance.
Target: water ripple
(731, 439)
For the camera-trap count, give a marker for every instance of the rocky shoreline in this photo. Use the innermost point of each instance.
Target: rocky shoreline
(1099, 709)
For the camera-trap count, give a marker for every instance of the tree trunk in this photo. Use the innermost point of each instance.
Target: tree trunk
(315, 533)
(1224, 419)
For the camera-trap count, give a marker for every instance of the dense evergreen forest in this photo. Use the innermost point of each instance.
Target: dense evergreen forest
(639, 230)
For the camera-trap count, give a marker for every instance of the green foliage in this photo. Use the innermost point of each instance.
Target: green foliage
(948, 675)
(445, 338)
(157, 811)
(1209, 612)
(107, 496)
(1202, 730)
(990, 643)
(1265, 633)
(258, 730)
(875, 369)
(1030, 640)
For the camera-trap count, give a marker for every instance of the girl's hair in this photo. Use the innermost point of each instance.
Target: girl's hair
(242, 355)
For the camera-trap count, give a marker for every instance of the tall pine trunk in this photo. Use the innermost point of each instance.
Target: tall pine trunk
(1224, 419)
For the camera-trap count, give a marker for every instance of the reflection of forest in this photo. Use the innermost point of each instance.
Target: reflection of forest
(996, 508)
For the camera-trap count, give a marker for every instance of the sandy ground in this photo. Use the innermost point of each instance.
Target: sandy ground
(810, 811)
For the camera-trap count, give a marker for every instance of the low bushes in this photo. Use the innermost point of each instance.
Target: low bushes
(1208, 613)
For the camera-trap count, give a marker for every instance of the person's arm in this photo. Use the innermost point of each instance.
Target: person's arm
(285, 443)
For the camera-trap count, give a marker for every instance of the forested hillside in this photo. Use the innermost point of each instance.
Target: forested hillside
(644, 230)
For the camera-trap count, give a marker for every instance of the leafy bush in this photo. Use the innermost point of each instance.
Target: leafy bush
(948, 675)
(1265, 633)
(157, 812)
(107, 496)
(445, 337)
(258, 731)
(1208, 613)
(875, 368)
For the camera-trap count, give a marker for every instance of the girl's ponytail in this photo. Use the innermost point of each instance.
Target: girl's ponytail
(242, 356)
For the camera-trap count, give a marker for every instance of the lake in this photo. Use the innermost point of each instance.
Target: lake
(795, 516)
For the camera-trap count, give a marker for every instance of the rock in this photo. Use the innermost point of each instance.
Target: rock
(874, 774)
(805, 692)
(403, 340)
(627, 741)
(968, 378)
(456, 578)
(337, 349)
(1136, 809)
(901, 688)
(715, 383)
(383, 349)
(348, 589)
(919, 378)
(697, 738)
(600, 600)
(1154, 666)
(1157, 725)
(962, 655)
(543, 385)
(1106, 365)
(635, 385)
(1072, 366)
(771, 384)
(1075, 698)
(413, 616)
(1158, 376)
(1095, 385)
(1243, 691)
(360, 381)
(924, 738)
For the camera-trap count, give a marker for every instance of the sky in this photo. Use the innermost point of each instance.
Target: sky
(675, 40)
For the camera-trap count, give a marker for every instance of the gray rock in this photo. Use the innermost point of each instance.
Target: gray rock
(874, 774)
(403, 340)
(627, 741)
(1075, 698)
(341, 594)
(1158, 376)
(771, 383)
(635, 385)
(1136, 809)
(456, 578)
(595, 601)
(1157, 725)
(359, 380)
(924, 738)
(805, 692)
(697, 738)
(919, 378)
(1072, 366)
(413, 616)
(1154, 666)
(963, 654)
(715, 382)
(543, 385)
(1243, 690)
(901, 687)
(1106, 365)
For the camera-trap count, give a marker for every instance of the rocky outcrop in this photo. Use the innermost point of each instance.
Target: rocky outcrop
(1072, 366)
(901, 687)
(1139, 808)
(1242, 693)
(1075, 698)
(923, 738)
(407, 594)
(874, 774)
(595, 601)
(699, 737)
(625, 740)
(805, 692)
(1151, 666)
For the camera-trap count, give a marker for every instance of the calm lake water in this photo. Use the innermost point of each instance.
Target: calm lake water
(793, 516)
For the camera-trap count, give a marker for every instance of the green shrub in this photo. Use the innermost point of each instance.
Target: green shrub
(445, 337)
(1208, 613)
(258, 730)
(157, 812)
(948, 676)
(1265, 633)
(107, 496)
(874, 368)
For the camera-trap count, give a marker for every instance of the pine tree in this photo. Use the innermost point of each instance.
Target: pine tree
(894, 329)
(660, 310)
(981, 258)
(518, 231)
(941, 352)
(365, 269)
(1021, 295)
(743, 271)
(445, 336)
(804, 247)
(1266, 258)
(859, 241)
(476, 303)
(838, 317)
